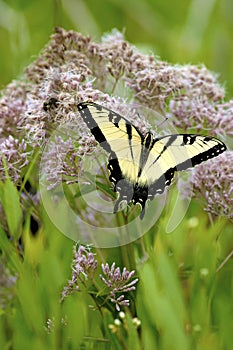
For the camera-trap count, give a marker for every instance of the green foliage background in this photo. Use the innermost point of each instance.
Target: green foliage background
(190, 31)
(181, 301)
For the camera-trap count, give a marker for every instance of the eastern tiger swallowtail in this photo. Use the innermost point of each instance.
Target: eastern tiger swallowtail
(142, 166)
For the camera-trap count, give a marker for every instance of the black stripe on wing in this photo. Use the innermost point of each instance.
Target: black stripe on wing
(111, 117)
(165, 180)
(189, 139)
(92, 125)
(124, 188)
(145, 150)
(129, 133)
(171, 140)
(199, 158)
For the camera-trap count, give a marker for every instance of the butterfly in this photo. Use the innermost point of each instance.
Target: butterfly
(143, 166)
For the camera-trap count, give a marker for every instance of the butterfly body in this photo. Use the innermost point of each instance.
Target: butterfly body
(143, 166)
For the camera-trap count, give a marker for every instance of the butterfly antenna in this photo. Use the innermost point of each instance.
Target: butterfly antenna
(162, 122)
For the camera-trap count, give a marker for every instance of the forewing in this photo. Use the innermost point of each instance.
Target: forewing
(113, 132)
(175, 153)
(121, 140)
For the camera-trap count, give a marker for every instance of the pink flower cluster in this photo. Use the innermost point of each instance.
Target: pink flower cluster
(73, 68)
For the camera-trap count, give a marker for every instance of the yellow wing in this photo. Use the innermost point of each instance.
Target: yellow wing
(176, 153)
(118, 137)
(141, 167)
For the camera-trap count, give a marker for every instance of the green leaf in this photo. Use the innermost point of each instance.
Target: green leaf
(9, 197)
(10, 252)
(133, 338)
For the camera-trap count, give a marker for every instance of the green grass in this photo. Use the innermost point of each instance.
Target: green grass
(181, 301)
